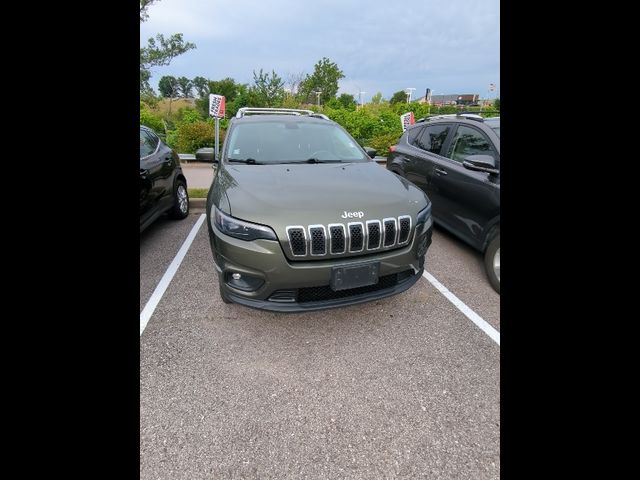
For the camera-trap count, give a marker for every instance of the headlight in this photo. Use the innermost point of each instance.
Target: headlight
(241, 229)
(424, 214)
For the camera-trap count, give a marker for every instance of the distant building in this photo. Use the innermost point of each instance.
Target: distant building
(452, 99)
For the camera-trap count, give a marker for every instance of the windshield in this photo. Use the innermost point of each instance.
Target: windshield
(494, 123)
(282, 141)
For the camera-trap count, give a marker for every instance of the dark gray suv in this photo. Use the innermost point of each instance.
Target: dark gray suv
(301, 218)
(455, 160)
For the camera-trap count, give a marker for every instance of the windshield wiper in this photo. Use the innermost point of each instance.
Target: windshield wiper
(311, 160)
(315, 160)
(250, 161)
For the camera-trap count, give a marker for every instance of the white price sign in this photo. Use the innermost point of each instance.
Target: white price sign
(406, 120)
(216, 105)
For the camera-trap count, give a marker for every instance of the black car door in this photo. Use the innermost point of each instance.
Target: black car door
(464, 200)
(425, 147)
(153, 182)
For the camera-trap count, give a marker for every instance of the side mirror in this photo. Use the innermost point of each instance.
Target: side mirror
(371, 152)
(481, 163)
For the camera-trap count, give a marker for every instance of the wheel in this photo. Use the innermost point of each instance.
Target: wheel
(492, 262)
(180, 207)
(224, 297)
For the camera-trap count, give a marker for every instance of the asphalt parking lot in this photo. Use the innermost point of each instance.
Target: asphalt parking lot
(408, 386)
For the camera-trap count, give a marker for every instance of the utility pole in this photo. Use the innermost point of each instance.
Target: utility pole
(409, 91)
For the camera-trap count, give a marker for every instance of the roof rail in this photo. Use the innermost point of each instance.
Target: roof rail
(466, 115)
(471, 116)
(277, 111)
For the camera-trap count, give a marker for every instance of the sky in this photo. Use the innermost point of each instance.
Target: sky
(449, 46)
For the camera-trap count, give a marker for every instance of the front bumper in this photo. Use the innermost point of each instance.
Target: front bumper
(304, 286)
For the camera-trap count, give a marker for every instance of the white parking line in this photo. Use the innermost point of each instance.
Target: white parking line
(470, 314)
(151, 305)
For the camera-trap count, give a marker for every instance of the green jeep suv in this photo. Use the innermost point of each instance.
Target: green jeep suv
(301, 218)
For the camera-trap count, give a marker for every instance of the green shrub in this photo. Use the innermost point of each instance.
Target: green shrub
(189, 137)
(382, 142)
(149, 119)
(189, 115)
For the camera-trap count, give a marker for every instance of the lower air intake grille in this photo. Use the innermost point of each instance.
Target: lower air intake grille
(318, 294)
(284, 296)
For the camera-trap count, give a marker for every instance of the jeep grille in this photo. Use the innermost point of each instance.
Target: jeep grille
(354, 237)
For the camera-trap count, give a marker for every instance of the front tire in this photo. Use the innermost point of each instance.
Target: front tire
(492, 262)
(180, 207)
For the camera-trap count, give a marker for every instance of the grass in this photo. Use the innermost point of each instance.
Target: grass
(198, 192)
(176, 104)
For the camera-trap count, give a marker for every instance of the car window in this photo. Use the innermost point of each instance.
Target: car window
(285, 140)
(469, 141)
(412, 134)
(433, 138)
(154, 138)
(147, 145)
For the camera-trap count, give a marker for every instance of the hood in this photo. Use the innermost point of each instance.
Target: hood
(307, 194)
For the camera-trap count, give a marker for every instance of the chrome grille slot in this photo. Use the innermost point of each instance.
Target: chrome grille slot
(297, 241)
(404, 229)
(390, 230)
(337, 238)
(318, 240)
(356, 237)
(373, 234)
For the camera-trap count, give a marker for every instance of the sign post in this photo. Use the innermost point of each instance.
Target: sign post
(216, 109)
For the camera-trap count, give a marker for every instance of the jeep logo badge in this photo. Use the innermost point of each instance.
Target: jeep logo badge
(346, 214)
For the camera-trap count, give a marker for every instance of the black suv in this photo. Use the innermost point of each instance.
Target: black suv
(163, 186)
(455, 159)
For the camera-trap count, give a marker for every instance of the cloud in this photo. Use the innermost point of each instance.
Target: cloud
(449, 46)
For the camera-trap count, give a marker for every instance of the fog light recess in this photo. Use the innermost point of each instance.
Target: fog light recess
(242, 281)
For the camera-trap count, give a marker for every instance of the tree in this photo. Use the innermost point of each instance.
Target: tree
(159, 50)
(325, 77)
(168, 86)
(347, 101)
(144, 4)
(377, 98)
(399, 97)
(201, 85)
(269, 88)
(184, 87)
(226, 87)
(496, 104)
(294, 80)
